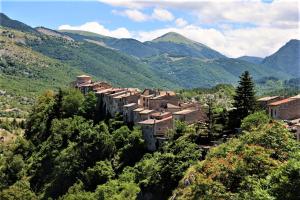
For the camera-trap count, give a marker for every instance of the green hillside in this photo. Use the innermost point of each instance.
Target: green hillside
(176, 44)
(128, 46)
(251, 59)
(24, 73)
(179, 60)
(194, 72)
(286, 59)
(171, 61)
(14, 24)
(103, 63)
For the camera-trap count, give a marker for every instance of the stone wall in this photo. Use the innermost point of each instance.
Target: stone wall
(286, 111)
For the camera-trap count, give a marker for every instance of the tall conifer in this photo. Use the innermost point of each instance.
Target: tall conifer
(244, 99)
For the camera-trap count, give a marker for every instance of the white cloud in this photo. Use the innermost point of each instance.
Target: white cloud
(233, 43)
(162, 15)
(180, 22)
(133, 14)
(238, 28)
(257, 41)
(138, 16)
(279, 13)
(95, 27)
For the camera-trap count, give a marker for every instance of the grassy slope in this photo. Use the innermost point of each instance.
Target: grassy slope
(24, 73)
(194, 72)
(103, 63)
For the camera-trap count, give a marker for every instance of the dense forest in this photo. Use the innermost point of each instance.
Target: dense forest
(71, 151)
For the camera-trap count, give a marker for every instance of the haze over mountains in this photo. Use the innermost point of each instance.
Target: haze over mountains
(170, 61)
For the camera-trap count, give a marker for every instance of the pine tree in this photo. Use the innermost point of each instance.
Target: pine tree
(244, 99)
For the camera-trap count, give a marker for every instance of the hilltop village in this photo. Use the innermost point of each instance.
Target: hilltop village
(154, 110)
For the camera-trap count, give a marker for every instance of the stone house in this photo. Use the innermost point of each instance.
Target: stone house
(128, 112)
(264, 101)
(285, 109)
(85, 84)
(160, 102)
(155, 129)
(189, 116)
(136, 115)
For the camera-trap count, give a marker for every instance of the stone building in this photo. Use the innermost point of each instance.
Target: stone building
(264, 101)
(190, 116)
(153, 110)
(85, 84)
(285, 109)
(154, 129)
(128, 109)
(160, 102)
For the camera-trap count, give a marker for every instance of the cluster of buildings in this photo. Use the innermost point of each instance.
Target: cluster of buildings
(154, 110)
(287, 109)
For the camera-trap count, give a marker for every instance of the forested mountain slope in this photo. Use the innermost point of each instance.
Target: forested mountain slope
(170, 61)
(286, 59)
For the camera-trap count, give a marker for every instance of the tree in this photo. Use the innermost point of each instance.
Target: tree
(99, 174)
(20, 190)
(244, 99)
(71, 102)
(254, 120)
(88, 108)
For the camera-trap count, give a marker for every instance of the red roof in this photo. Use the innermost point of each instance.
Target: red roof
(283, 101)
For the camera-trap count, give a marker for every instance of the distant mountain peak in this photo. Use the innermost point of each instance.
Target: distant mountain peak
(286, 58)
(83, 33)
(173, 37)
(7, 22)
(251, 59)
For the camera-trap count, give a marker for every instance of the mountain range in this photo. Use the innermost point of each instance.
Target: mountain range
(33, 59)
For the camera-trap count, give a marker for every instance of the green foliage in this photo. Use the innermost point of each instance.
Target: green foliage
(244, 99)
(253, 121)
(284, 182)
(77, 192)
(104, 63)
(261, 164)
(19, 191)
(88, 108)
(100, 173)
(272, 136)
(117, 190)
(72, 101)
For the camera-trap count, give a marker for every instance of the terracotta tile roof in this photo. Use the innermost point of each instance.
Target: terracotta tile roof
(155, 121)
(117, 93)
(283, 101)
(296, 97)
(103, 90)
(146, 111)
(130, 104)
(160, 114)
(147, 96)
(83, 76)
(184, 112)
(169, 105)
(138, 109)
(267, 98)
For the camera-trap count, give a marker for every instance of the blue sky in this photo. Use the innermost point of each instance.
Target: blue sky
(233, 27)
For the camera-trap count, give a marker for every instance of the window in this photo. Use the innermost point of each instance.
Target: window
(271, 112)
